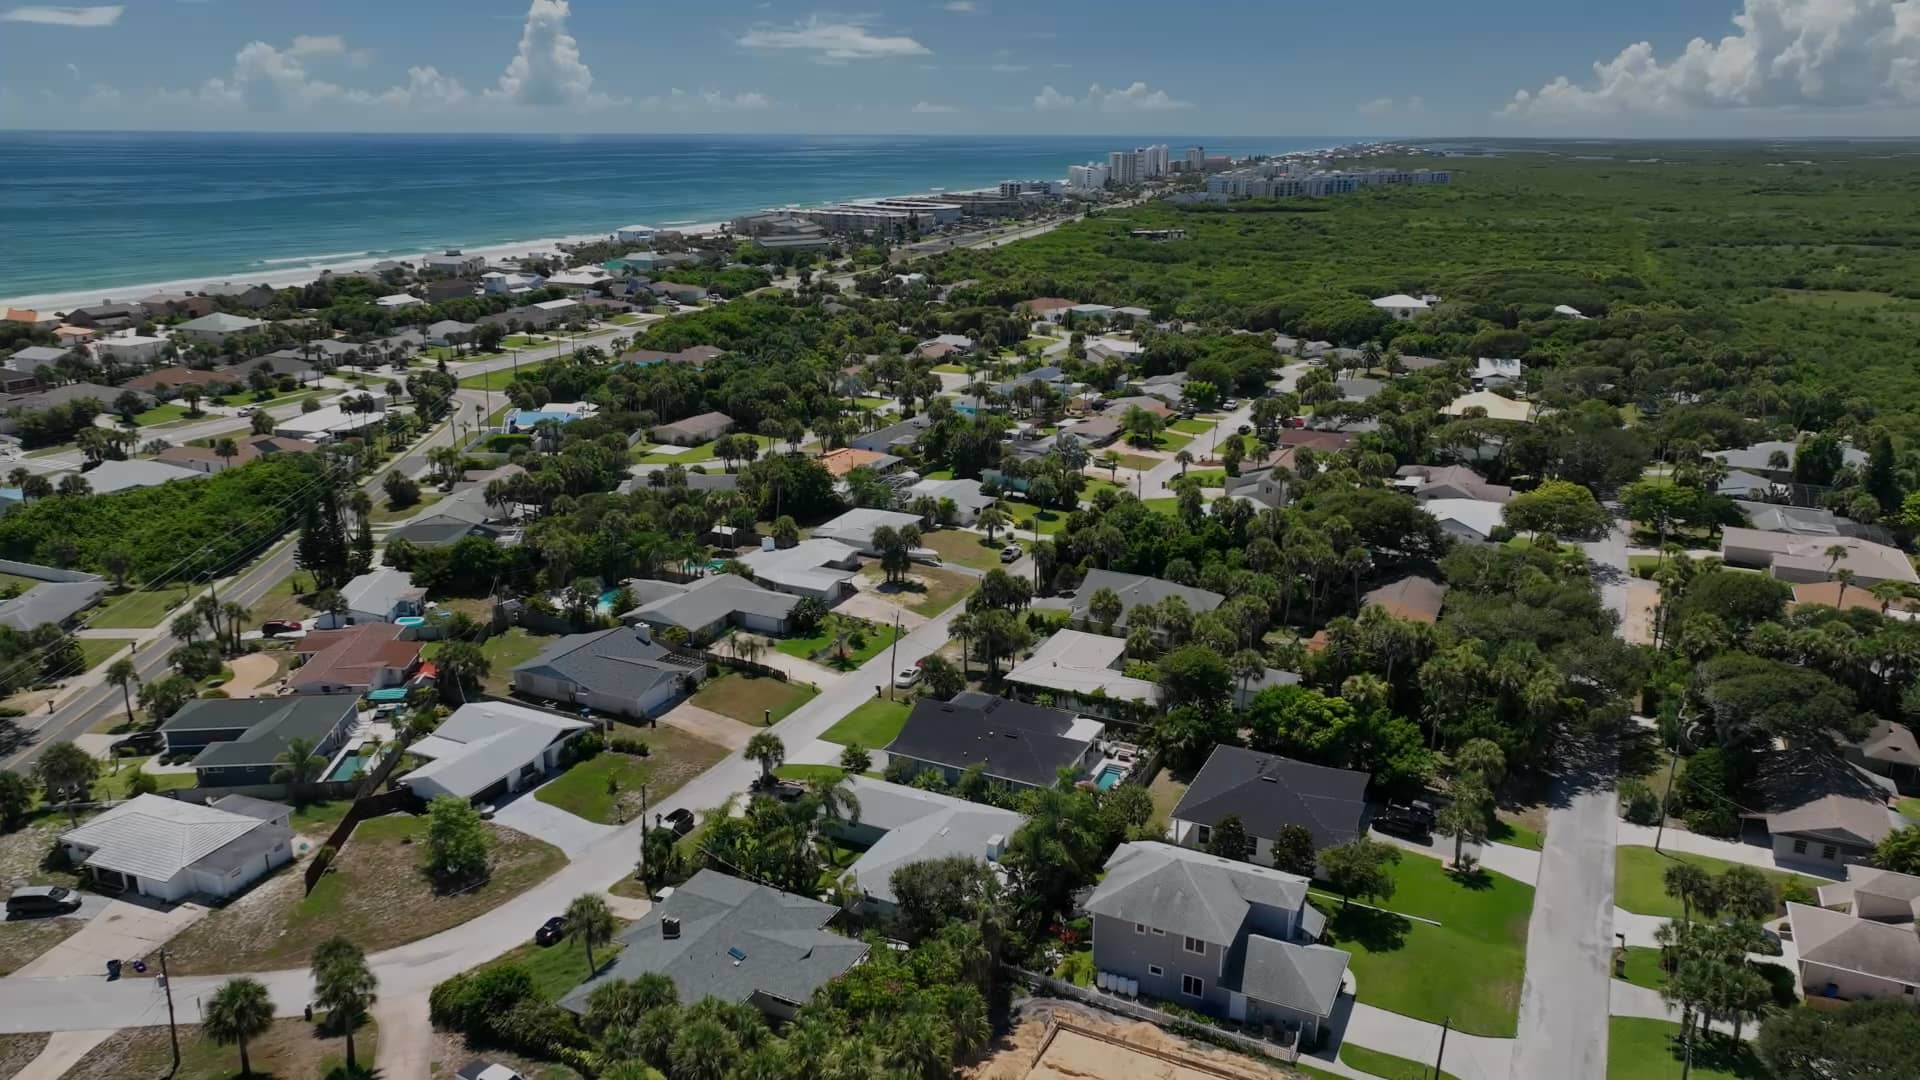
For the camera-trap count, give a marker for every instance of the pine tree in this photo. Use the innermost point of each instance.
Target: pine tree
(362, 560)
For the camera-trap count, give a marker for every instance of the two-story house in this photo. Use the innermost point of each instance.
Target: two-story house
(1267, 793)
(1226, 938)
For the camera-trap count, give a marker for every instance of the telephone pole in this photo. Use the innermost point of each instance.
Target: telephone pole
(1447, 1023)
(894, 662)
(643, 834)
(173, 1030)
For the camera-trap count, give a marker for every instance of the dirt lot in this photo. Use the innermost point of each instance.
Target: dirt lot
(23, 940)
(23, 854)
(376, 875)
(17, 1050)
(292, 1050)
(1142, 1052)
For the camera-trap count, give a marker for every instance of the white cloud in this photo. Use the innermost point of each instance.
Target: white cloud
(269, 79)
(547, 70)
(931, 107)
(834, 42)
(962, 7)
(65, 16)
(426, 88)
(1138, 97)
(1784, 53)
(318, 45)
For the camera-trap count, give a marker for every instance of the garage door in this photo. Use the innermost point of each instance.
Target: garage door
(492, 791)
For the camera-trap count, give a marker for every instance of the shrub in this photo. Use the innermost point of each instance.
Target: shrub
(468, 1003)
(537, 1027)
(1638, 803)
(1714, 821)
(713, 669)
(624, 744)
(585, 747)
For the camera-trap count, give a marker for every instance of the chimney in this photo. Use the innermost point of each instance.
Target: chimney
(670, 927)
(643, 632)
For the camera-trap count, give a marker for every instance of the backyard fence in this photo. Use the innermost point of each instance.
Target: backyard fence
(362, 809)
(733, 663)
(1180, 1062)
(1203, 1030)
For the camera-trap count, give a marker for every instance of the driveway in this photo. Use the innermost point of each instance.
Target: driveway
(565, 831)
(1759, 855)
(1469, 1057)
(709, 725)
(118, 930)
(869, 604)
(1518, 863)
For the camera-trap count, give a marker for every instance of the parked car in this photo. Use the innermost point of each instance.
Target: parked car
(140, 742)
(906, 678)
(279, 626)
(36, 901)
(551, 931)
(1010, 553)
(681, 821)
(486, 1070)
(1246, 429)
(1230, 404)
(1413, 819)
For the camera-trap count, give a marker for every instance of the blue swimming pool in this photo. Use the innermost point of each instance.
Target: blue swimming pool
(350, 766)
(1109, 776)
(605, 604)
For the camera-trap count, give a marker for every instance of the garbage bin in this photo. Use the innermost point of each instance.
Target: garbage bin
(113, 970)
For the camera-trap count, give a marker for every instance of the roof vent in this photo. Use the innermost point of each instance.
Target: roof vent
(1269, 778)
(736, 955)
(670, 927)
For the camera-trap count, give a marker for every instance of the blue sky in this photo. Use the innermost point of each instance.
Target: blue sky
(1227, 67)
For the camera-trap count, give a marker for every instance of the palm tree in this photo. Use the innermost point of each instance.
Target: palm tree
(1248, 665)
(462, 664)
(1688, 884)
(240, 1010)
(992, 519)
(1834, 553)
(1844, 576)
(226, 450)
(123, 675)
(1185, 459)
(343, 985)
(766, 748)
(588, 917)
(298, 766)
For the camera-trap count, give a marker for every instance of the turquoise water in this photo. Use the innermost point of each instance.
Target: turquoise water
(349, 767)
(1108, 777)
(605, 604)
(95, 210)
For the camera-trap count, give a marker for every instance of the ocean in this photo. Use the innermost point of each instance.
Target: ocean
(89, 213)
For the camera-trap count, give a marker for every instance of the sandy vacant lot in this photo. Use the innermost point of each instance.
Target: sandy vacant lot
(1100, 1046)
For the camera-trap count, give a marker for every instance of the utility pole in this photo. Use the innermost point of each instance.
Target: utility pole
(1447, 1023)
(1673, 763)
(643, 833)
(173, 1030)
(894, 662)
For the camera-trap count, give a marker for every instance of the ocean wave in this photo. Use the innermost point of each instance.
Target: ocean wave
(296, 260)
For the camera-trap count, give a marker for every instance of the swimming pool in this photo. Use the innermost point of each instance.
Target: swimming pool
(1109, 776)
(605, 604)
(350, 766)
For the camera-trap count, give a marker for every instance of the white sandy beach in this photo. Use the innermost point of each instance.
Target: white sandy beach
(300, 275)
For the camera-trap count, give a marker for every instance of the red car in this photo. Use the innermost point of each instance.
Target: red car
(279, 626)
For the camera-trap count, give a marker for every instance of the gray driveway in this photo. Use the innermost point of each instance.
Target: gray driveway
(565, 831)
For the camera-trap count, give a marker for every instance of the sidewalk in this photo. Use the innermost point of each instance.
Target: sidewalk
(1468, 1057)
(1518, 863)
(1673, 839)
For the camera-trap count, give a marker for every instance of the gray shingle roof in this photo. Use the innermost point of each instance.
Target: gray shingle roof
(269, 723)
(1303, 977)
(1267, 791)
(1014, 741)
(785, 951)
(921, 825)
(614, 662)
(711, 599)
(1134, 590)
(50, 602)
(1190, 892)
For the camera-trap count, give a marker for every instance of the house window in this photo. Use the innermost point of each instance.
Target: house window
(1799, 847)
(1192, 987)
(1156, 971)
(1205, 835)
(1139, 928)
(1195, 946)
(1828, 851)
(1157, 932)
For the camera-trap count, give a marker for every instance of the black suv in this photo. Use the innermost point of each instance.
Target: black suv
(1413, 819)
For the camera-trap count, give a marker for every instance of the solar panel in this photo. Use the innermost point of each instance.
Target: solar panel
(736, 954)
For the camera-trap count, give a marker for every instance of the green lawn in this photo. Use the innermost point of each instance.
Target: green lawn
(163, 414)
(876, 638)
(503, 652)
(593, 789)
(557, 968)
(1642, 1049)
(1909, 807)
(498, 379)
(517, 341)
(965, 548)
(1481, 939)
(1025, 514)
(97, 651)
(1212, 478)
(385, 512)
(283, 600)
(810, 773)
(1643, 967)
(704, 452)
(19, 584)
(949, 369)
(320, 817)
(1387, 1066)
(138, 609)
(873, 725)
(871, 402)
(1516, 835)
(1171, 441)
(1137, 461)
(1169, 506)
(117, 785)
(1192, 427)
(1639, 885)
(747, 698)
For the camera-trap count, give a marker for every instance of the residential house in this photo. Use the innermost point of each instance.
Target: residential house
(1467, 520)
(1740, 485)
(1403, 307)
(1015, 743)
(18, 382)
(111, 476)
(721, 937)
(250, 297)
(1884, 896)
(899, 825)
(1428, 482)
(377, 596)
(130, 349)
(561, 412)
(1808, 521)
(1420, 363)
(1226, 938)
(39, 320)
(1774, 459)
(216, 328)
(1848, 957)
(108, 315)
(967, 498)
(453, 263)
(240, 740)
(358, 659)
(1353, 388)
(705, 607)
(172, 304)
(488, 749)
(1794, 558)
(856, 527)
(34, 357)
(1268, 793)
(1493, 374)
(1314, 439)
(1134, 590)
(1836, 594)
(1110, 349)
(72, 337)
(172, 849)
(694, 430)
(448, 332)
(1087, 673)
(1050, 308)
(56, 597)
(202, 459)
(897, 438)
(1492, 405)
(696, 356)
(821, 569)
(839, 463)
(1267, 487)
(1888, 748)
(1820, 809)
(172, 380)
(622, 671)
(1095, 431)
(680, 292)
(1041, 376)
(1412, 597)
(327, 424)
(1119, 406)
(451, 520)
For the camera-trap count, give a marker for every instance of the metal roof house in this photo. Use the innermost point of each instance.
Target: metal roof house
(621, 671)
(1227, 938)
(719, 936)
(489, 748)
(171, 849)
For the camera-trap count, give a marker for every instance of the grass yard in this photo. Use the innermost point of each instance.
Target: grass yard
(1207, 478)
(704, 452)
(290, 1049)
(1025, 514)
(17, 1050)
(498, 379)
(965, 548)
(1169, 506)
(1643, 967)
(871, 403)
(873, 725)
(1516, 834)
(386, 512)
(118, 785)
(1171, 441)
(24, 940)
(807, 774)
(1192, 427)
(598, 789)
(1642, 1049)
(949, 369)
(875, 637)
(1482, 938)
(18, 583)
(518, 341)
(559, 967)
(1639, 885)
(1387, 1066)
(503, 652)
(375, 878)
(164, 414)
(748, 698)
(138, 609)
(1140, 462)
(285, 600)
(97, 651)
(925, 590)
(319, 818)
(1167, 791)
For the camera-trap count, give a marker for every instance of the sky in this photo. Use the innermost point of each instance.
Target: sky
(1414, 68)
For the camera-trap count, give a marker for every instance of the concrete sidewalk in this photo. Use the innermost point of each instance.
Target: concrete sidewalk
(1673, 839)
(1518, 863)
(1469, 1057)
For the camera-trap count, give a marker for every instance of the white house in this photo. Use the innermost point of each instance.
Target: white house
(130, 348)
(381, 595)
(171, 849)
(1403, 307)
(489, 748)
(217, 327)
(550, 312)
(1491, 373)
(634, 234)
(1468, 520)
(399, 300)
